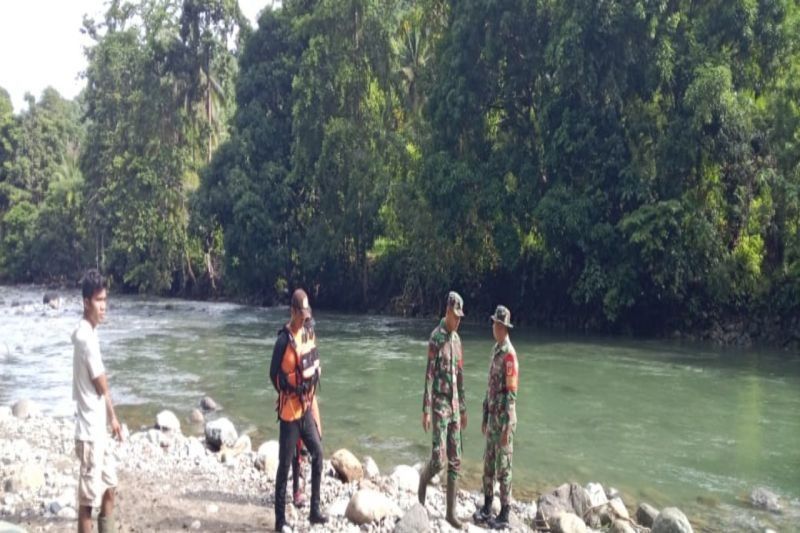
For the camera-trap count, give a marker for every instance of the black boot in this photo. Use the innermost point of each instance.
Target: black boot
(316, 516)
(452, 496)
(484, 514)
(424, 478)
(501, 521)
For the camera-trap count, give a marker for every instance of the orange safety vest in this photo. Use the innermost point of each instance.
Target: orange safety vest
(300, 364)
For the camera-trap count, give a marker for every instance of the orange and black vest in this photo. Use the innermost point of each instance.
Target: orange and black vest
(299, 374)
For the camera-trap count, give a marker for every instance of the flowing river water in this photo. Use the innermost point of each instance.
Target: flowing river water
(664, 422)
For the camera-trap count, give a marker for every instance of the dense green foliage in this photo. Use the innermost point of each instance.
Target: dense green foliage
(630, 164)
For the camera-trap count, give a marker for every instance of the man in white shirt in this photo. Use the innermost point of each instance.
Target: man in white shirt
(94, 411)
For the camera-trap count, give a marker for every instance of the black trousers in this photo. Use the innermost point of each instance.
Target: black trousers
(304, 428)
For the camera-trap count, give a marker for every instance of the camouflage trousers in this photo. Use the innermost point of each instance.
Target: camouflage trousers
(446, 429)
(497, 460)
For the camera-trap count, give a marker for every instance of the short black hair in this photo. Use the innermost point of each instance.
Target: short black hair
(92, 282)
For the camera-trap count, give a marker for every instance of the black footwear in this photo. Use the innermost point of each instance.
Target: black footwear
(452, 493)
(501, 521)
(316, 516)
(483, 514)
(424, 478)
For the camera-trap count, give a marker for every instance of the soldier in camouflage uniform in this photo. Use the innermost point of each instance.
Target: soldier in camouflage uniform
(444, 399)
(499, 421)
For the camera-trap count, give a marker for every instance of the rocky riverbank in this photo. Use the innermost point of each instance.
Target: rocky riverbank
(173, 482)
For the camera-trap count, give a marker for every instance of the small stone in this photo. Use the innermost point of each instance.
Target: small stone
(208, 404)
(219, 432)
(196, 525)
(646, 514)
(68, 513)
(167, 421)
(671, 520)
(196, 417)
(25, 409)
(764, 498)
(371, 470)
(54, 507)
(212, 508)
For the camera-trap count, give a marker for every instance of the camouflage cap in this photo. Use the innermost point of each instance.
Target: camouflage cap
(455, 301)
(502, 316)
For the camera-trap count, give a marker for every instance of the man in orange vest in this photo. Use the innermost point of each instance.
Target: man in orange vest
(294, 372)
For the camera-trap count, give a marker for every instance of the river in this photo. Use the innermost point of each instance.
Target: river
(669, 423)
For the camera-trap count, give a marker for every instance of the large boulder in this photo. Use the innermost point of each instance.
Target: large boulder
(569, 498)
(406, 478)
(267, 457)
(347, 466)
(28, 478)
(671, 520)
(414, 521)
(596, 494)
(646, 514)
(167, 421)
(368, 505)
(568, 523)
(220, 432)
(25, 409)
(763, 498)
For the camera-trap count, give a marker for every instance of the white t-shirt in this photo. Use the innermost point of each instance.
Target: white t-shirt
(87, 364)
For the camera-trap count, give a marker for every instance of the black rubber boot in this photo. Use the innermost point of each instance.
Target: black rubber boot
(316, 516)
(501, 521)
(451, 517)
(484, 514)
(424, 478)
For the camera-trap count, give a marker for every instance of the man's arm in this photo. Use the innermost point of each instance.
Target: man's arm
(426, 395)
(277, 357)
(512, 379)
(462, 400)
(101, 386)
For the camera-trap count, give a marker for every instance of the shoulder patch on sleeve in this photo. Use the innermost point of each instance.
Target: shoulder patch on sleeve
(511, 370)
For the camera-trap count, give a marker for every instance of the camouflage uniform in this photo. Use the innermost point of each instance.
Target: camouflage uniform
(444, 396)
(499, 413)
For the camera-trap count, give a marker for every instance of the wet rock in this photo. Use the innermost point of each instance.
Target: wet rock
(568, 523)
(406, 478)
(208, 404)
(764, 498)
(167, 421)
(25, 409)
(219, 432)
(415, 520)
(371, 470)
(347, 466)
(621, 526)
(671, 520)
(196, 417)
(368, 505)
(267, 458)
(569, 497)
(28, 478)
(646, 514)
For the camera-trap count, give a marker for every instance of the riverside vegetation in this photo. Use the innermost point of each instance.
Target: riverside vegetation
(622, 166)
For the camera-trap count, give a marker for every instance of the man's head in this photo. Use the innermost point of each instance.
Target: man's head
(299, 307)
(501, 323)
(93, 289)
(455, 310)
